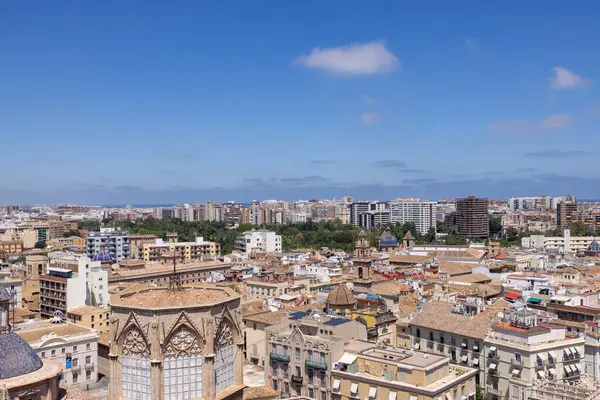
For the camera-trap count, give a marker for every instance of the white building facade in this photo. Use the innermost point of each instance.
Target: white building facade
(259, 240)
(422, 213)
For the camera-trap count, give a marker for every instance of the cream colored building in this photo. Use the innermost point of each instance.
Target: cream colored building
(75, 347)
(303, 352)
(255, 334)
(188, 251)
(367, 371)
(97, 318)
(176, 342)
(522, 352)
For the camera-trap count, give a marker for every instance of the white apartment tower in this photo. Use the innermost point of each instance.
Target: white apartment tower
(259, 240)
(422, 213)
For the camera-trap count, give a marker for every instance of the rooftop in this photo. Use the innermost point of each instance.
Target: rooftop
(39, 330)
(155, 297)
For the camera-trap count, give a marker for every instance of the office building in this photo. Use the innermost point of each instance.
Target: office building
(259, 240)
(566, 213)
(303, 352)
(421, 213)
(522, 350)
(176, 342)
(75, 347)
(472, 218)
(370, 371)
(110, 240)
(374, 219)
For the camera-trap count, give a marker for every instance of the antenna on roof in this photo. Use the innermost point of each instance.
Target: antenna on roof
(174, 281)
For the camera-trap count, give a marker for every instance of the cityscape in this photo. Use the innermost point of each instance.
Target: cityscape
(309, 200)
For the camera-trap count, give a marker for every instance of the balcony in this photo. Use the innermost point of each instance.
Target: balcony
(551, 362)
(75, 368)
(279, 357)
(316, 364)
(539, 364)
(516, 362)
(297, 378)
(493, 390)
(89, 366)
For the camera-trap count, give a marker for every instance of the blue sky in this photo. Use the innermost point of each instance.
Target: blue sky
(185, 101)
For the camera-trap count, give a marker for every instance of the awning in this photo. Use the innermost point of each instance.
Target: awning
(336, 384)
(539, 356)
(372, 392)
(552, 355)
(448, 396)
(493, 348)
(534, 300)
(392, 396)
(541, 374)
(493, 366)
(512, 295)
(575, 368)
(354, 388)
(574, 350)
(476, 361)
(347, 359)
(551, 371)
(515, 372)
(413, 397)
(417, 345)
(568, 369)
(464, 358)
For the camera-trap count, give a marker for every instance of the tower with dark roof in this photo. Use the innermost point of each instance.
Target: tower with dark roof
(340, 300)
(387, 241)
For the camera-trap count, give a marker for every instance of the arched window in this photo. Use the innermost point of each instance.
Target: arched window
(182, 366)
(135, 366)
(224, 357)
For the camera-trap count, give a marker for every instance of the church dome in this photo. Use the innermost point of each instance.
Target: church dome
(103, 257)
(17, 358)
(340, 295)
(387, 239)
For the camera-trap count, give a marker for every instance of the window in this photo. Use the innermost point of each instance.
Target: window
(75, 377)
(224, 367)
(74, 349)
(136, 377)
(311, 393)
(88, 359)
(323, 395)
(43, 354)
(53, 353)
(297, 353)
(75, 362)
(431, 336)
(441, 338)
(515, 392)
(88, 375)
(62, 351)
(275, 384)
(418, 333)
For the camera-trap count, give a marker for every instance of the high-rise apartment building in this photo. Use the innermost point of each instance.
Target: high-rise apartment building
(472, 217)
(363, 206)
(254, 212)
(259, 240)
(421, 213)
(566, 213)
(110, 240)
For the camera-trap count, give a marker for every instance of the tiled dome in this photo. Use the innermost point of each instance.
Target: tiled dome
(387, 239)
(16, 356)
(594, 247)
(103, 257)
(340, 295)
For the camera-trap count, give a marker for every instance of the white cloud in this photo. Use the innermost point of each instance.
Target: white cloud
(370, 118)
(554, 122)
(472, 45)
(355, 59)
(564, 79)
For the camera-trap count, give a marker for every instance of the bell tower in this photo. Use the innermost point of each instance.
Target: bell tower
(362, 262)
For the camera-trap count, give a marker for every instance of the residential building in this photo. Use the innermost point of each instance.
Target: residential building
(95, 278)
(60, 290)
(97, 318)
(259, 240)
(11, 247)
(185, 251)
(363, 206)
(370, 371)
(303, 352)
(566, 213)
(472, 217)
(457, 330)
(421, 213)
(75, 347)
(565, 244)
(176, 342)
(553, 390)
(374, 219)
(255, 335)
(255, 213)
(522, 350)
(15, 287)
(111, 240)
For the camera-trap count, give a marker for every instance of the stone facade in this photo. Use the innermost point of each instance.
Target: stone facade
(158, 352)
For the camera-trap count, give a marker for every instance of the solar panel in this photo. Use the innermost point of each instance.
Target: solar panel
(298, 315)
(336, 321)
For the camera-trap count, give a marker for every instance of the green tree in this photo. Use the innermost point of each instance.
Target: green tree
(495, 225)
(455, 240)
(40, 244)
(479, 395)
(72, 233)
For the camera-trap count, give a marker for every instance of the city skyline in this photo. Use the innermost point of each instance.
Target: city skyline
(113, 103)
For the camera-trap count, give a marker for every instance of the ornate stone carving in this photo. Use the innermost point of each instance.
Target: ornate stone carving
(224, 335)
(135, 343)
(183, 343)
